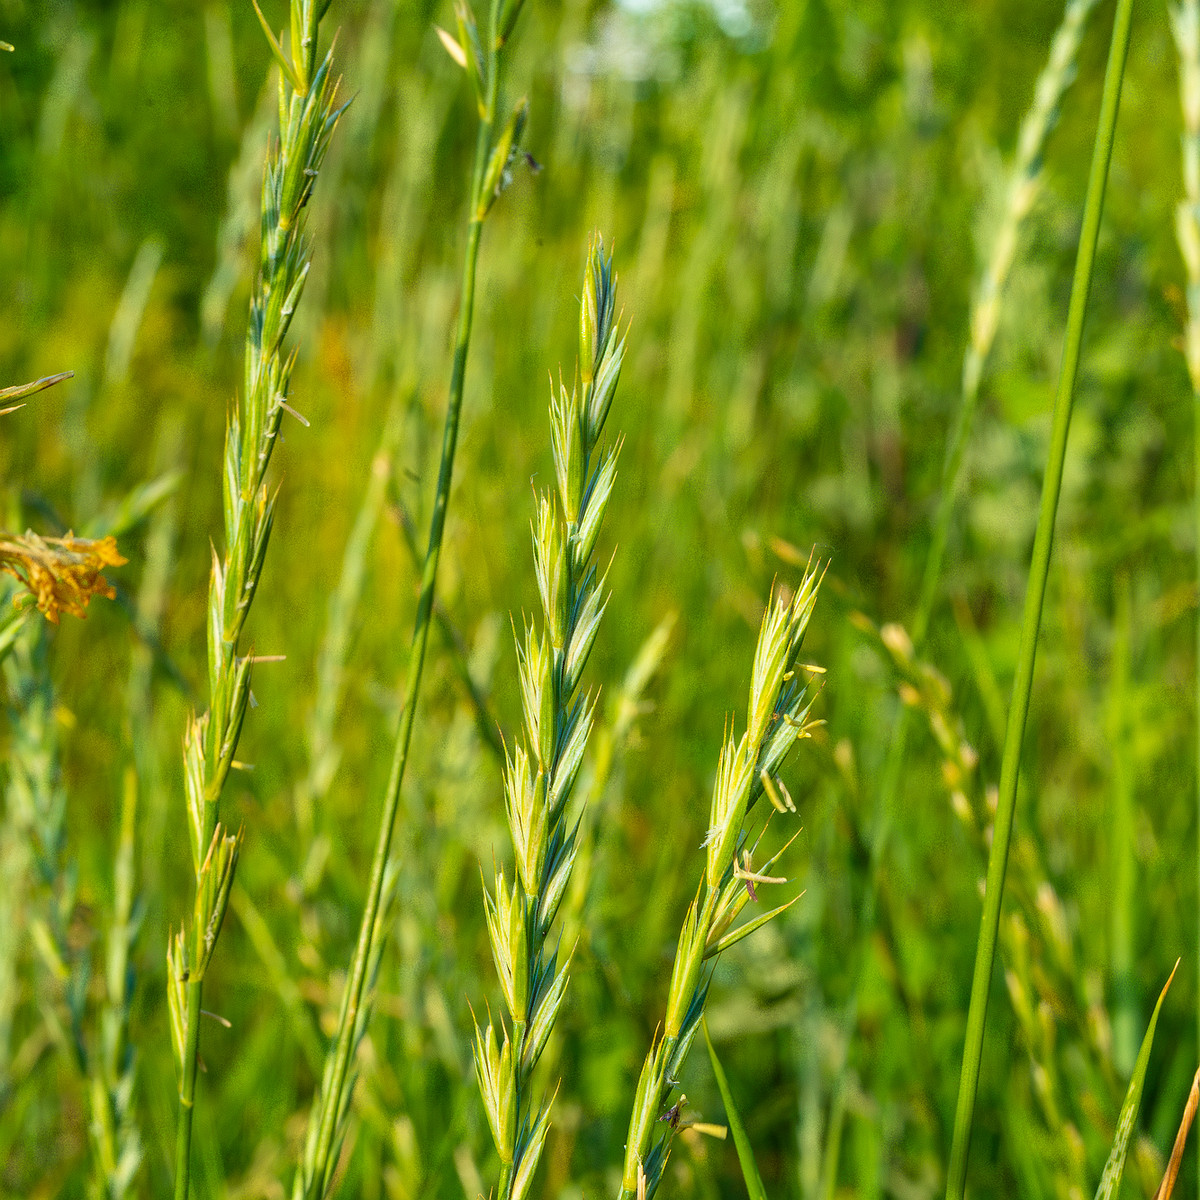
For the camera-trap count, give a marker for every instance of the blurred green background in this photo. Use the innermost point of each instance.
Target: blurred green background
(798, 195)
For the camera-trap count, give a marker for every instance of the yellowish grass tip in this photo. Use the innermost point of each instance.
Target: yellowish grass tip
(452, 46)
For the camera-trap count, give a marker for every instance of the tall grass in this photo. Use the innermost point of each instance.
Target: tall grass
(1034, 597)
(541, 772)
(1022, 184)
(481, 59)
(777, 716)
(1185, 26)
(794, 224)
(308, 114)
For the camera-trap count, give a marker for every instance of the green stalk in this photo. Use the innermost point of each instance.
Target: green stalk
(307, 117)
(358, 970)
(317, 1168)
(1125, 1024)
(1022, 187)
(1185, 25)
(1034, 596)
(187, 1092)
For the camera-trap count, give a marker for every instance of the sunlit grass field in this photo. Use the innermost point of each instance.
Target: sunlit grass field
(803, 202)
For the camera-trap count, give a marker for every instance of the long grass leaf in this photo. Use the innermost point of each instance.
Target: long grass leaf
(1110, 1180)
(20, 390)
(745, 1152)
(1185, 27)
(985, 954)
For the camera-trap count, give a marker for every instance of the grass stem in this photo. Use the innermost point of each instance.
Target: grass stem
(1185, 25)
(1034, 596)
(308, 115)
(317, 1169)
(348, 1021)
(1023, 184)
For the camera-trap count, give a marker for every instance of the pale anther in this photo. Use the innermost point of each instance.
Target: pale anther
(289, 409)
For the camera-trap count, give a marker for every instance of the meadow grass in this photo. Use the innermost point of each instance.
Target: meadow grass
(792, 201)
(1185, 27)
(480, 59)
(1022, 185)
(307, 117)
(541, 772)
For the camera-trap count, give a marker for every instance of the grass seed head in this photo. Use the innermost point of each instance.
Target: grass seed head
(494, 1069)
(596, 310)
(731, 796)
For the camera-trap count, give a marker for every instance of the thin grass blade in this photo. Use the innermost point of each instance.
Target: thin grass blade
(1189, 1113)
(1110, 1180)
(277, 53)
(745, 1152)
(735, 935)
(21, 390)
(1035, 594)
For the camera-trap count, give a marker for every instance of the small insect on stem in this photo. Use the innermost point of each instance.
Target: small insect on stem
(310, 177)
(671, 1116)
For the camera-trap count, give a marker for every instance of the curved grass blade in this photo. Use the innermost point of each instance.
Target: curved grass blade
(136, 506)
(1110, 1180)
(1189, 1113)
(745, 1152)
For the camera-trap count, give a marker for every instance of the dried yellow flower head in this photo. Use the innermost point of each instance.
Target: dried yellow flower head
(62, 574)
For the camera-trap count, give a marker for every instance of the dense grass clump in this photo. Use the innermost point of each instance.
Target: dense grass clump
(845, 237)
